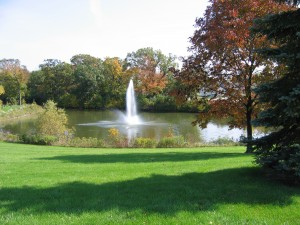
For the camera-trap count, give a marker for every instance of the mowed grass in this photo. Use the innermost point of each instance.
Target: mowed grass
(213, 185)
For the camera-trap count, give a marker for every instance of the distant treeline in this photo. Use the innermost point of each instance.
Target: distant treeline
(93, 83)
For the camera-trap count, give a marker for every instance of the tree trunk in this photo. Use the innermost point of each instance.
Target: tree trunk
(249, 109)
(249, 131)
(20, 97)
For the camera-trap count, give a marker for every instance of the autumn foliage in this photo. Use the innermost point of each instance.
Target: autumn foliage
(151, 68)
(13, 78)
(224, 64)
(151, 81)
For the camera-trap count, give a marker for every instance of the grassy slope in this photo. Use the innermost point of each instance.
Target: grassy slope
(59, 185)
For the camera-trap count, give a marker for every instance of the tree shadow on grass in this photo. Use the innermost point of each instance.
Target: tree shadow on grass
(144, 157)
(156, 194)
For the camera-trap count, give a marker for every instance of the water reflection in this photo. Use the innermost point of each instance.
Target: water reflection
(156, 125)
(215, 131)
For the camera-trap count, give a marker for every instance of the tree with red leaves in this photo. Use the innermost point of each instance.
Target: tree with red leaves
(224, 66)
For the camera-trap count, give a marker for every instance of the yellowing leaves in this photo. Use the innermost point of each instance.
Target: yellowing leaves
(114, 66)
(2, 91)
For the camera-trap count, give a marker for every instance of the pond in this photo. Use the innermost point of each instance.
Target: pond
(155, 125)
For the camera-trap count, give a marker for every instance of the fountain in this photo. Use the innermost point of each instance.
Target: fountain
(131, 112)
(129, 122)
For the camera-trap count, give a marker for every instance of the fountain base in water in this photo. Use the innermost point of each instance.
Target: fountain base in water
(123, 121)
(126, 122)
(130, 127)
(129, 120)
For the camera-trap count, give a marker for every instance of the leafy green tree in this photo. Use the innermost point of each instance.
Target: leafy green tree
(57, 81)
(280, 150)
(53, 81)
(14, 78)
(37, 88)
(88, 75)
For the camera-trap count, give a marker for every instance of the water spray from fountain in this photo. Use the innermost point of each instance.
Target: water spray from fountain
(129, 122)
(131, 111)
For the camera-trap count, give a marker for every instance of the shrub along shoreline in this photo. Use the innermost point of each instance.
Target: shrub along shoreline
(111, 142)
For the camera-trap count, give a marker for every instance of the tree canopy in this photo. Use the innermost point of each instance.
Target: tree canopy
(89, 82)
(224, 66)
(152, 69)
(13, 77)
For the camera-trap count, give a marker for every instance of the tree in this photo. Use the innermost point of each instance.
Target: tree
(57, 80)
(224, 66)
(14, 78)
(100, 84)
(152, 68)
(152, 77)
(37, 88)
(88, 75)
(115, 82)
(280, 150)
(54, 81)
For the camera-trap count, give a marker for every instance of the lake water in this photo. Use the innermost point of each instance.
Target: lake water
(156, 125)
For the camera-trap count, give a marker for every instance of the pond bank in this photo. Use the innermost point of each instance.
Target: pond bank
(16, 112)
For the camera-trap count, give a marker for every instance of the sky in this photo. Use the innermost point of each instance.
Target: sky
(35, 30)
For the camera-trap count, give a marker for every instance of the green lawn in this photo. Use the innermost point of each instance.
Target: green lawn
(213, 185)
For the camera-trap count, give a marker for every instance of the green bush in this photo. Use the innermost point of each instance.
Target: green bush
(171, 142)
(53, 121)
(144, 143)
(38, 139)
(9, 137)
(144, 103)
(224, 141)
(164, 103)
(189, 106)
(86, 142)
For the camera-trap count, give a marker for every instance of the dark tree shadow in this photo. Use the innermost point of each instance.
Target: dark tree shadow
(144, 157)
(156, 194)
